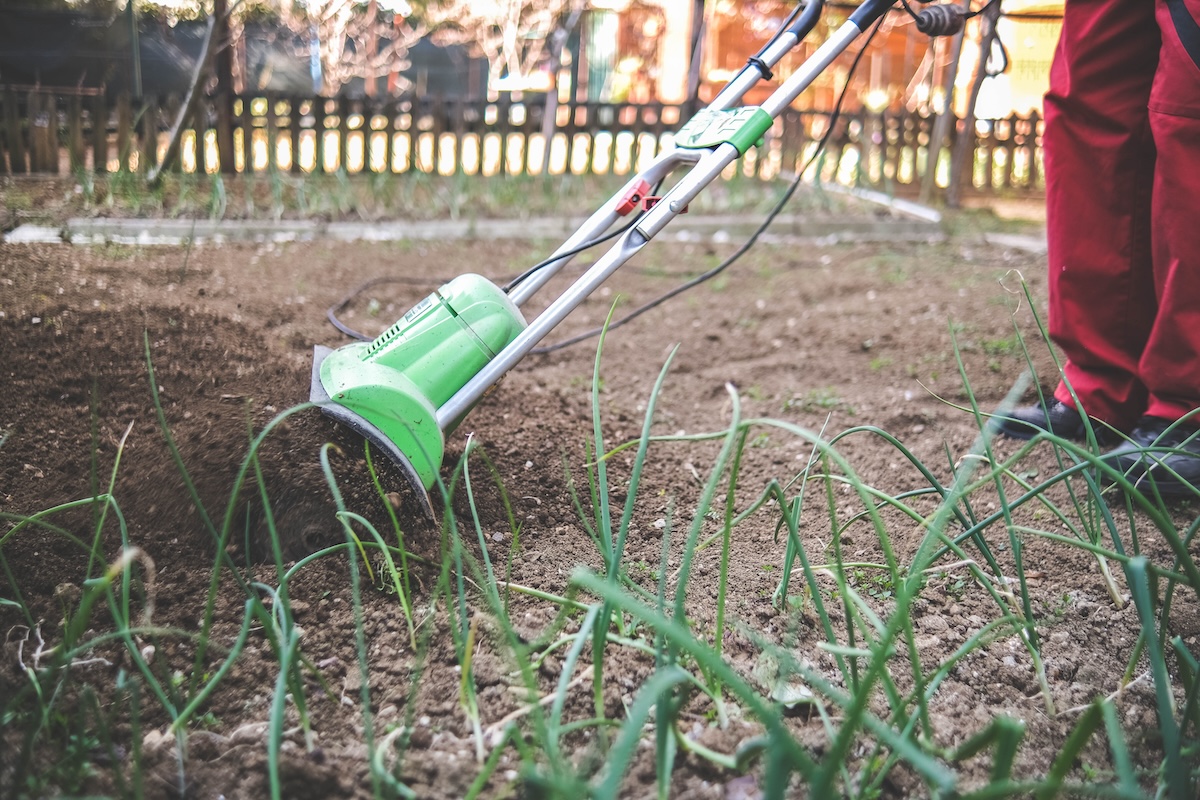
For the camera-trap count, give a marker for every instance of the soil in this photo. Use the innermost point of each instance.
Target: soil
(826, 337)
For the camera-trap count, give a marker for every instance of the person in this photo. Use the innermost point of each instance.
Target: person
(1122, 165)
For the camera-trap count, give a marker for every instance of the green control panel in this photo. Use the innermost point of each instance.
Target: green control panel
(741, 127)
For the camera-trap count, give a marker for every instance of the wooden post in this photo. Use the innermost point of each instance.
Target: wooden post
(436, 130)
(899, 125)
(504, 127)
(319, 128)
(16, 140)
(419, 108)
(53, 137)
(75, 153)
(226, 157)
(50, 138)
(527, 124)
(343, 134)
(902, 127)
(389, 136)
(1032, 142)
(460, 134)
(1010, 150)
(638, 128)
(43, 127)
(245, 121)
(223, 67)
(200, 129)
(99, 134)
(173, 110)
(294, 109)
(591, 125)
(33, 107)
(124, 130)
(572, 110)
(406, 129)
(5, 143)
(368, 108)
(272, 133)
(30, 142)
(991, 142)
(148, 157)
(697, 57)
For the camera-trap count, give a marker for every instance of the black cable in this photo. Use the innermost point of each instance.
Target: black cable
(992, 72)
(779, 32)
(332, 312)
(984, 8)
(590, 243)
(909, 9)
(750, 242)
(515, 282)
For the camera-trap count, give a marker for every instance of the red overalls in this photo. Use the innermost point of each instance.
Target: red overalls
(1123, 224)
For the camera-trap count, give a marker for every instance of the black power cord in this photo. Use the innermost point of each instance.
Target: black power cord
(335, 309)
(754, 237)
(991, 71)
(515, 282)
(332, 312)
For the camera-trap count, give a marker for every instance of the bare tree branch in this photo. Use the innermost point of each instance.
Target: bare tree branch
(349, 38)
(512, 34)
(187, 109)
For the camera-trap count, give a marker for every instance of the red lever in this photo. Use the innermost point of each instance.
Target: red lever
(651, 201)
(633, 198)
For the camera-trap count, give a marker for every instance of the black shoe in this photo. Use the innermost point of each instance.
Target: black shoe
(1057, 418)
(1160, 457)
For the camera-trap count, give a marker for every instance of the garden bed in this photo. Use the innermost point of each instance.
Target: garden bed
(348, 680)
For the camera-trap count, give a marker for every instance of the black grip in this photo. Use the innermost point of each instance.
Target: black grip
(869, 11)
(807, 20)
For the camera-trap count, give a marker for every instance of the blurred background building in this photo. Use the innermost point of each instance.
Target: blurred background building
(637, 51)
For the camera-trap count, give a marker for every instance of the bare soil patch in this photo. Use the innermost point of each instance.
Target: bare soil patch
(824, 337)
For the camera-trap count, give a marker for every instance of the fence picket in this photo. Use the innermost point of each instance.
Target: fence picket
(39, 122)
(148, 150)
(124, 131)
(75, 151)
(99, 120)
(200, 126)
(14, 141)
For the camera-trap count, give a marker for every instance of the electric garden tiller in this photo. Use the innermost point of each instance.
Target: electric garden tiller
(415, 382)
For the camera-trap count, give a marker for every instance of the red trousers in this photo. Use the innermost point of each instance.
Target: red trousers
(1122, 153)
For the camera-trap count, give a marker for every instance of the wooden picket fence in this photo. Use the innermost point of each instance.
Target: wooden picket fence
(44, 131)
